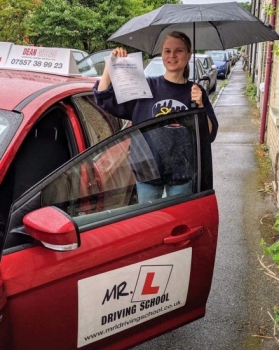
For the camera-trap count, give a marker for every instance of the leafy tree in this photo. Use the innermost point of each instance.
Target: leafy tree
(246, 5)
(114, 13)
(13, 27)
(83, 24)
(64, 24)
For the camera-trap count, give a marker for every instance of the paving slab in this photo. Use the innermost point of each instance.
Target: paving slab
(232, 100)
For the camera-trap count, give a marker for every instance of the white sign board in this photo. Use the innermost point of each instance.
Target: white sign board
(50, 60)
(117, 300)
(4, 52)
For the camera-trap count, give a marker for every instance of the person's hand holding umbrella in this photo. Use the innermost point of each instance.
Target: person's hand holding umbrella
(196, 95)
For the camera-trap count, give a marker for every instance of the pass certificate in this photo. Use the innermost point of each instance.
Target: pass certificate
(127, 77)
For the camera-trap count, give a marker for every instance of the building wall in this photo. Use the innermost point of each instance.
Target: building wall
(272, 131)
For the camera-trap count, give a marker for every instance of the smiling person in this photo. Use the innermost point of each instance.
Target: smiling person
(172, 92)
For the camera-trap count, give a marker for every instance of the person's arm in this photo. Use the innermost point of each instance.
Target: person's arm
(105, 96)
(105, 80)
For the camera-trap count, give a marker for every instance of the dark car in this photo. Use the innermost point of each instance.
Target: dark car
(210, 69)
(156, 68)
(222, 62)
(83, 264)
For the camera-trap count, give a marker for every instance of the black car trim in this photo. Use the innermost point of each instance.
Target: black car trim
(27, 100)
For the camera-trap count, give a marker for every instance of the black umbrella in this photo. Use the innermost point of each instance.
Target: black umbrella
(215, 26)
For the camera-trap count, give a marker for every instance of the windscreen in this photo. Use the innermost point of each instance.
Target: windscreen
(94, 64)
(9, 123)
(156, 68)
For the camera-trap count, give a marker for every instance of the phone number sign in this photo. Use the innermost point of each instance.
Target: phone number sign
(42, 59)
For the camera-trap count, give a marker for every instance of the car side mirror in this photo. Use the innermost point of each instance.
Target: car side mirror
(53, 228)
(214, 66)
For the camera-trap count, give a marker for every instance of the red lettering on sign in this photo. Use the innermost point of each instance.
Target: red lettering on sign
(0, 59)
(148, 288)
(29, 52)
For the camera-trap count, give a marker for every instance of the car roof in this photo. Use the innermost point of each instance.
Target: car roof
(26, 70)
(17, 86)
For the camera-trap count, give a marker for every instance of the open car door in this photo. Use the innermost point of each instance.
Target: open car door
(86, 265)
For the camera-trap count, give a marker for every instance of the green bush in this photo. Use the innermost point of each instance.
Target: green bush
(251, 91)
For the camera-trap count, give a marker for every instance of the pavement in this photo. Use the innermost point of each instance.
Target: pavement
(246, 216)
(241, 296)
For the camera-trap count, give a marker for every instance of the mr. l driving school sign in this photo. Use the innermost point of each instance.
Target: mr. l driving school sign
(116, 300)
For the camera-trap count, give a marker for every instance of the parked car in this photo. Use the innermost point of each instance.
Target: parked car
(83, 264)
(94, 64)
(210, 69)
(222, 62)
(156, 68)
(234, 55)
(79, 54)
(230, 58)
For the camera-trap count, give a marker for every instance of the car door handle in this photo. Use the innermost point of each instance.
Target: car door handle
(177, 237)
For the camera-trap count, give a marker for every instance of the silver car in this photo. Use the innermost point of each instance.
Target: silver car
(210, 69)
(156, 68)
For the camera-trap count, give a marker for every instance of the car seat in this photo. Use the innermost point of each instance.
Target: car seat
(42, 152)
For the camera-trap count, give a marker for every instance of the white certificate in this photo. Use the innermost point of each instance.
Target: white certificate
(127, 77)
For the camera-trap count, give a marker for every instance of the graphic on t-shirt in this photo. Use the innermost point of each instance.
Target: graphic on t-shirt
(167, 106)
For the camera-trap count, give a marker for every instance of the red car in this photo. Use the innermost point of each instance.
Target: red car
(83, 263)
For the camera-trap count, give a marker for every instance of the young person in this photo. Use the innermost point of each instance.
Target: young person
(171, 92)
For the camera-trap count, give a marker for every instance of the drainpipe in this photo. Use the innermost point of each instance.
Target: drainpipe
(267, 79)
(256, 47)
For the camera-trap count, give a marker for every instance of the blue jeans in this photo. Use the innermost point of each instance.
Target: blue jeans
(148, 192)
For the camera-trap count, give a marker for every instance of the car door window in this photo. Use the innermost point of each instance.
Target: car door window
(200, 69)
(47, 146)
(205, 63)
(97, 124)
(103, 184)
(9, 124)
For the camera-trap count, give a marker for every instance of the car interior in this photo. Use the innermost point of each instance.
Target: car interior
(48, 145)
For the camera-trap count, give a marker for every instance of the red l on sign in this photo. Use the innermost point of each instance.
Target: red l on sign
(147, 287)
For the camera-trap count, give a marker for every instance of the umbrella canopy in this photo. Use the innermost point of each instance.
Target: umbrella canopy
(215, 26)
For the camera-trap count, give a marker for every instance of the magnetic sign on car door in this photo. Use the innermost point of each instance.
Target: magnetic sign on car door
(116, 300)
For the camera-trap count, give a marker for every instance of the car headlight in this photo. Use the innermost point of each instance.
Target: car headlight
(222, 67)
